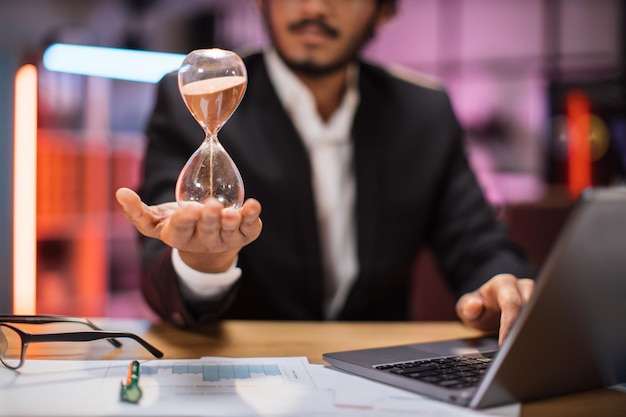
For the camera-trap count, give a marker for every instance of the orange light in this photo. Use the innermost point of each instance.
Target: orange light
(578, 143)
(25, 191)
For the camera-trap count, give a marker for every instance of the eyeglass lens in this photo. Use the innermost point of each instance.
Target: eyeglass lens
(10, 347)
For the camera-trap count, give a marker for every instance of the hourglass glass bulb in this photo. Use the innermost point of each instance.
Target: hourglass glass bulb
(212, 83)
(210, 172)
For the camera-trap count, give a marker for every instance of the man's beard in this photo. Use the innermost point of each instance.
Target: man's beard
(309, 67)
(312, 69)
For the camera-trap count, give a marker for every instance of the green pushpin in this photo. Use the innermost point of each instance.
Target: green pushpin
(130, 392)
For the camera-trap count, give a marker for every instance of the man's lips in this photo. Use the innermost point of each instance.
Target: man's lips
(315, 29)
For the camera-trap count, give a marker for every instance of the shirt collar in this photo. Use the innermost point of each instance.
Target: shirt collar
(299, 103)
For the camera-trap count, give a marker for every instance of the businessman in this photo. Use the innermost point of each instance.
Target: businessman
(357, 169)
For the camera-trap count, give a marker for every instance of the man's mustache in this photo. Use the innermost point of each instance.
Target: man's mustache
(319, 23)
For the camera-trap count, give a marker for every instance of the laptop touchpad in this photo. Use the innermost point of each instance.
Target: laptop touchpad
(457, 347)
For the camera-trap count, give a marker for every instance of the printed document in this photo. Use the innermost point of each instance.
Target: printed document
(210, 386)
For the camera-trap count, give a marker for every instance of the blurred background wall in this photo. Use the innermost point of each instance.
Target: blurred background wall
(509, 66)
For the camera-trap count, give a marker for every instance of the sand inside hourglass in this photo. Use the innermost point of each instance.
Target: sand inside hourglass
(212, 101)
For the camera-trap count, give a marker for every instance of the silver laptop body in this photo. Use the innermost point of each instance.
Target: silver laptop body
(570, 337)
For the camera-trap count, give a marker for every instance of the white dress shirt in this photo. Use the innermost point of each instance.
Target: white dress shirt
(330, 151)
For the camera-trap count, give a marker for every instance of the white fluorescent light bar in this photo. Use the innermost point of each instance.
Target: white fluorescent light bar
(117, 63)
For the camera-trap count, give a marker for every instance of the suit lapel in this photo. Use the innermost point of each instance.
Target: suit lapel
(369, 148)
(368, 144)
(282, 139)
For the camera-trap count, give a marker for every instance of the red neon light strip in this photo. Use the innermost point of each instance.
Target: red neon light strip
(578, 143)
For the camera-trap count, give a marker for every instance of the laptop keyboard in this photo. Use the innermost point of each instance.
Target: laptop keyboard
(451, 372)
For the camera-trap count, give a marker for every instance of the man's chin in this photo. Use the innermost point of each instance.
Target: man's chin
(313, 68)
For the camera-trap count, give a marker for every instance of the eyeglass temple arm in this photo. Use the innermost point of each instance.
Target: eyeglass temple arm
(44, 319)
(91, 336)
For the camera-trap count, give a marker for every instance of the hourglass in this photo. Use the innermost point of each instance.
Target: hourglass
(212, 83)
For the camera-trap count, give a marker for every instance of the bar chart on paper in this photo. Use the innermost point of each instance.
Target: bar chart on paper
(220, 374)
(209, 373)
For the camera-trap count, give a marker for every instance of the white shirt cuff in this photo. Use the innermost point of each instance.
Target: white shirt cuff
(202, 283)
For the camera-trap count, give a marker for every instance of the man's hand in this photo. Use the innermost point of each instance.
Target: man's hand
(208, 236)
(498, 301)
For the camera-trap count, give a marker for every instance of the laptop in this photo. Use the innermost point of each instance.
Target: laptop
(570, 337)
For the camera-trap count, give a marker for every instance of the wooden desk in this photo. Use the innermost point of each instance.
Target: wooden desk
(311, 339)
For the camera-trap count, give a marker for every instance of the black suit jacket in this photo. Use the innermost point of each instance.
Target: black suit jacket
(414, 188)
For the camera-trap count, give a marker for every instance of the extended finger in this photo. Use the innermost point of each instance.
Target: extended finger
(510, 300)
(526, 287)
(470, 308)
(250, 222)
(231, 220)
(210, 221)
(137, 212)
(181, 227)
(130, 202)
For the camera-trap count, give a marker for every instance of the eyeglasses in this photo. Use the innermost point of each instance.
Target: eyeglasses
(15, 341)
